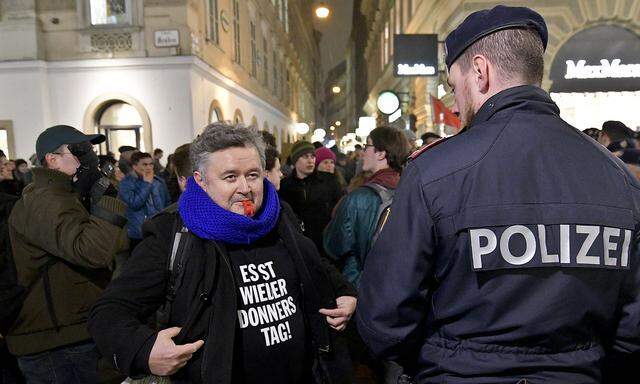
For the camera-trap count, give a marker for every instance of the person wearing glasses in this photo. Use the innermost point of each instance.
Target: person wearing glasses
(64, 255)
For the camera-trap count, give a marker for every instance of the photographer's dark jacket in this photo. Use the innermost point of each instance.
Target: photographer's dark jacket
(49, 222)
(205, 305)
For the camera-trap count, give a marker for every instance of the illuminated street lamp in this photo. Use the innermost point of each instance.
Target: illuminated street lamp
(302, 128)
(336, 89)
(322, 11)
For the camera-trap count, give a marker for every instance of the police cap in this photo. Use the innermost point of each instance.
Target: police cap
(482, 23)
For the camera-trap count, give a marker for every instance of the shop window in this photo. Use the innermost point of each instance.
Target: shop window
(111, 12)
(122, 125)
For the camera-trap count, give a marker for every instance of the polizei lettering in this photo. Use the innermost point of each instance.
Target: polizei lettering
(533, 246)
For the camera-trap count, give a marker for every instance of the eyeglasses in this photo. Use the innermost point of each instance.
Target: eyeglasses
(369, 145)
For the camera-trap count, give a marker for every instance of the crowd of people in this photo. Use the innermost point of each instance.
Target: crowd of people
(485, 257)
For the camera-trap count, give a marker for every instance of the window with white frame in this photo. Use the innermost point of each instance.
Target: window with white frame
(265, 63)
(399, 24)
(392, 29)
(386, 43)
(254, 51)
(275, 72)
(407, 11)
(213, 21)
(286, 16)
(283, 75)
(111, 12)
(236, 31)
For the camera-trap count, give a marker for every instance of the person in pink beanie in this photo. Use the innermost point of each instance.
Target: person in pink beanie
(325, 160)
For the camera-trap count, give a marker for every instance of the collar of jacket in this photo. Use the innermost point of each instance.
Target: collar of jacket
(43, 177)
(294, 176)
(521, 98)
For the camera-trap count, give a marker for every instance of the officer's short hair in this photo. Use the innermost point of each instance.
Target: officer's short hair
(219, 136)
(517, 53)
(393, 142)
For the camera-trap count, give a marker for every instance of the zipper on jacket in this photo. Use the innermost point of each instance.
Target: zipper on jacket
(203, 365)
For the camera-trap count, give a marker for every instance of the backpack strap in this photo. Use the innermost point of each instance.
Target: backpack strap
(382, 215)
(385, 194)
(175, 270)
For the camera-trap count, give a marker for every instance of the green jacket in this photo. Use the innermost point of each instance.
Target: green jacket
(347, 238)
(50, 222)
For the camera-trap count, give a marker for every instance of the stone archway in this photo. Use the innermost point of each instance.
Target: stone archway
(90, 125)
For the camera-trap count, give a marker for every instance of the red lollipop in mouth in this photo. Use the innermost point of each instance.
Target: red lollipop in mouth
(249, 207)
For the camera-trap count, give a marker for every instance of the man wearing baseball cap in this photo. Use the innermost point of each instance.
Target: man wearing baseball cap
(509, 252)
(64, 255)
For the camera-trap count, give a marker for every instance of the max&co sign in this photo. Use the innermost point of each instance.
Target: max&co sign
(415, 55)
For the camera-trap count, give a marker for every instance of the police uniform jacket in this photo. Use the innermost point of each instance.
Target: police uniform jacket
(509, 254)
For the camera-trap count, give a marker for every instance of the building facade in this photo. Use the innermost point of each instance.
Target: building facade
(154, 73)
(593, 100)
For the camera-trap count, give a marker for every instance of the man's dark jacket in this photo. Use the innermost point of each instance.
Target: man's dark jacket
(312, 199)
(205, 305)
(548, 304)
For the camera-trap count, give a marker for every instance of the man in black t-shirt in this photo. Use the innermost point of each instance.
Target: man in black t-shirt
(255, 302)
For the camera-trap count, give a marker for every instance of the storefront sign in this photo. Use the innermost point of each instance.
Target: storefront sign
(606, 69)
(170, 38)
(415, 55)
(605, 58)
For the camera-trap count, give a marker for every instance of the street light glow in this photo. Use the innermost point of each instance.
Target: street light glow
(338, 123)
(322, 11)
(336, 89)
(332, 128)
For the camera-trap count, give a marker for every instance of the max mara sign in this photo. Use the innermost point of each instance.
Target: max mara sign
(599, 59)
(607, 69)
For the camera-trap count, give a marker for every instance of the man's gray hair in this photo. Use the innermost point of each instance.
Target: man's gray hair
(218, 136)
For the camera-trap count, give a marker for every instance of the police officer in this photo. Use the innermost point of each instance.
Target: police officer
(510, 250)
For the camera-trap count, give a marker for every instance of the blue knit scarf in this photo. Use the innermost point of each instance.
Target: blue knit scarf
(208, 220)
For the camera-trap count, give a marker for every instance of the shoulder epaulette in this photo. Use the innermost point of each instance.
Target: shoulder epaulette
(420, 151)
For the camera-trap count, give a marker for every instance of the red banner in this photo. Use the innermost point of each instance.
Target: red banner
(443, 115)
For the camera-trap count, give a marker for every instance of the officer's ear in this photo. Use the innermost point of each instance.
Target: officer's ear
(480, 69)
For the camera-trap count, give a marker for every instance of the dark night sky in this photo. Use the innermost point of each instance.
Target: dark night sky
(335, 32)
